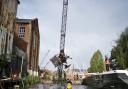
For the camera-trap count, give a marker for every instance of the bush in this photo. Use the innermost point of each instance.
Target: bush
(31, 80)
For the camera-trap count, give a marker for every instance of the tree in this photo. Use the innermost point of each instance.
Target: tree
(120, 51)
(96, 63)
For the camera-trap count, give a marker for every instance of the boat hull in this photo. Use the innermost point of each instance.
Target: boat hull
(107, 80)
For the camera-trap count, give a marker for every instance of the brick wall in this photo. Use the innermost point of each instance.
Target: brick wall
(32, 38)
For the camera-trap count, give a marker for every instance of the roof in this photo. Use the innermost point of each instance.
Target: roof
(23, 20)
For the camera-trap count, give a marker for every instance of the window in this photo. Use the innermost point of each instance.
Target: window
(21, 32)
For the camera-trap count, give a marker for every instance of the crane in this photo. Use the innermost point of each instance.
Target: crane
(60, 59)
(46, 54)
(62, 55)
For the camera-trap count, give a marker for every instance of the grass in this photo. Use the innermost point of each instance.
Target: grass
(31, 80)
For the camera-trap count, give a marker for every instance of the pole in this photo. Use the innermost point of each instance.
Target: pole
(21, 68)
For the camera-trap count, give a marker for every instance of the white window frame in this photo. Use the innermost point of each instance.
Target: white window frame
(21, 32)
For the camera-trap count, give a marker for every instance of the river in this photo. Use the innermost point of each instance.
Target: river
(41, 86)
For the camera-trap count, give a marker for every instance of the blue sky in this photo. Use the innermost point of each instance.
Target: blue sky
(91, 25)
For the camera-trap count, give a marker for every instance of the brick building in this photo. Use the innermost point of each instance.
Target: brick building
(27, 43)
(8, 10)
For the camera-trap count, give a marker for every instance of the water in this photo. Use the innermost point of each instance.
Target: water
(41, 86)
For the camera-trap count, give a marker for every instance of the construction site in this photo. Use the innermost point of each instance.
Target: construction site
(63, 44)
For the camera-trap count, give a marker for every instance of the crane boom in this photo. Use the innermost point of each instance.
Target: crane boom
(63, 25)
(44, 58)
(62, 41)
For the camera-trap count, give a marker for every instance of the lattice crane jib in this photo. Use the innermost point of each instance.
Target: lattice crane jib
(63, 25)
(63, 29)
(62, 40)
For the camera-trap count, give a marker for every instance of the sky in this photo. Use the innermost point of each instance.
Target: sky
(91, 25)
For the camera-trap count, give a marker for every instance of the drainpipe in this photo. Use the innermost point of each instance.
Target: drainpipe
(21, 68)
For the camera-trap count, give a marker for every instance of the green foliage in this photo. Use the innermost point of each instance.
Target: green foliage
(31, 80)
(120, 52)
(96, 63)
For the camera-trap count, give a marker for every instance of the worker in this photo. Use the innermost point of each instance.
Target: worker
(107, 64)
(69, 84)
